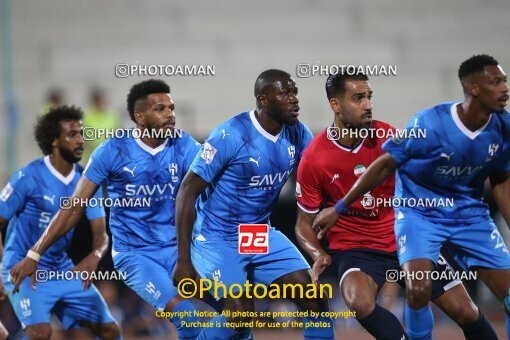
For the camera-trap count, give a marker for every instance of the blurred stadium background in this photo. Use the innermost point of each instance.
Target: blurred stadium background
(70, 49)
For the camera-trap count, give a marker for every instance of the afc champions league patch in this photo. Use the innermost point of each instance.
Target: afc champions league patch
(208, 153)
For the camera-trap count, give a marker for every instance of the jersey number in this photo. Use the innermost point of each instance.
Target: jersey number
(495, 235)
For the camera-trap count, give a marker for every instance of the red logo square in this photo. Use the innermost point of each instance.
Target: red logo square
(253, 238)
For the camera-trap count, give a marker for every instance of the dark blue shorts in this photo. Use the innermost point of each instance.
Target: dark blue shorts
(377, 264)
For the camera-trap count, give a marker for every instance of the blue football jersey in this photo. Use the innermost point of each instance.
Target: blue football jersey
(136, 172)
(451, 162)
(29, 201)
(246, 168)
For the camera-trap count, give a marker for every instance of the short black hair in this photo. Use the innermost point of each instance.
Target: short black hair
(335, 84)
(266, 79)
(475, 64)
(48, 126)
(142, 90)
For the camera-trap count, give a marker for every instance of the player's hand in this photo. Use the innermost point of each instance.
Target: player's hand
(89, 265)
(321, 262)
(324, 221)
(3, 294)
(184, 270)
(24, 268)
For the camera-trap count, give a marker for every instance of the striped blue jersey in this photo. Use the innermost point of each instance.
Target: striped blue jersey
(451, 162)
(29, 201)
(135, 172)
(246, 168)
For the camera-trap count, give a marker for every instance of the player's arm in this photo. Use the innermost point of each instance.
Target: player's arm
(3, 295)
(100, 242)
(100, 238)
(192, 185)
(4, 334)
(500, 183)
(3, 224)
(382, 168)
(308, 241)
(63, 221)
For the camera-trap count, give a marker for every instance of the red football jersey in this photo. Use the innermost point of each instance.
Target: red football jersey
(326, 173)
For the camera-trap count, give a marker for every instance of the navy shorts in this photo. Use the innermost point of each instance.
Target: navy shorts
(378, 264)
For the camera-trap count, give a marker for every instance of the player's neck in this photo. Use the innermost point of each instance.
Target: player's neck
(346, 141)
(472, 114)
(152, 142)
(61, 165)
(269, 124)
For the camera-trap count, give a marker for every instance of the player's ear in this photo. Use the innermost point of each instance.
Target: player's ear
(334, 104)
(262, 100)
(139, 118)
(55, 143)
(473, 89)
(471, 86)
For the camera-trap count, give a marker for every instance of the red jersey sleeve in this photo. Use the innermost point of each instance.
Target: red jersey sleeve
(308, 185)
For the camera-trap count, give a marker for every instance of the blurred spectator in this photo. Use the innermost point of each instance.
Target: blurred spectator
(97, 116)
(54, 97)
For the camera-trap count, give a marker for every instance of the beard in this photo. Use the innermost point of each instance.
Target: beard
(158, 132)
(68, 155)
(280, 116)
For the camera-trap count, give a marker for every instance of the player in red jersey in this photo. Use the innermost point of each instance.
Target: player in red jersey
(362, 244)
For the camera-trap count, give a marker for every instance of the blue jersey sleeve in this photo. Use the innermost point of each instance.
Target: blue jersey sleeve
(15, 193)
(214, 155)
(99, 164)
(96, 211)
(410, 144)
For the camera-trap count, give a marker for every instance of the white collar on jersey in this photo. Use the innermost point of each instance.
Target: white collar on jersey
(456, 119)
(150, 150)
(344, 148)
(66, 180)
(261, 129)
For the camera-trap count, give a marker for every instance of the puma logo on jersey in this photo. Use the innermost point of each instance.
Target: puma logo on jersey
(224, 134)
(443, 155)
(132, 172)
(255, 161)
(335, 176)
(50, 199)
